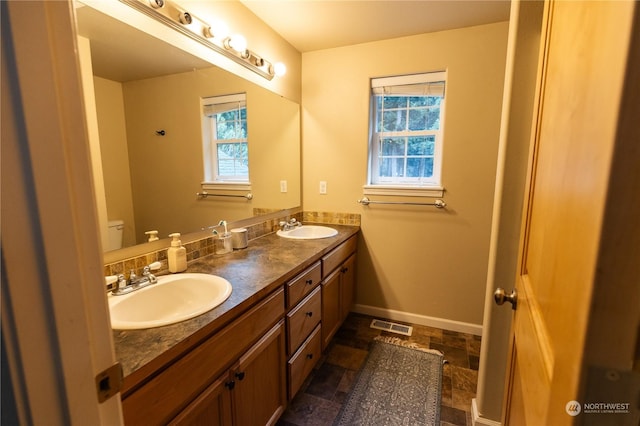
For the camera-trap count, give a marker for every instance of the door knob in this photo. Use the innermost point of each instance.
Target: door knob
(500, 296)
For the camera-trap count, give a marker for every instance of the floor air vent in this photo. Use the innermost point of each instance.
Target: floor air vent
(393, 327)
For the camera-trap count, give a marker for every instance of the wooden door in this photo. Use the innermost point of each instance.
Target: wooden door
(260, 391)
(347, 286)
(581, 84)
(330, 307)
(212, 407)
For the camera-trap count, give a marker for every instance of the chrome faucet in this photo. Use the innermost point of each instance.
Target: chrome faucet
(288, 226)
(136, 282)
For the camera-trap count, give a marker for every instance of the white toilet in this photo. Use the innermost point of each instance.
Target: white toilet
(116, 229)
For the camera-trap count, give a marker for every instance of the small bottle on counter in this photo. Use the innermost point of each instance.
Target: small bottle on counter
(176, 254)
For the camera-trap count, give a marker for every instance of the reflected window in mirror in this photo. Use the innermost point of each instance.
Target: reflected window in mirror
(225, 142)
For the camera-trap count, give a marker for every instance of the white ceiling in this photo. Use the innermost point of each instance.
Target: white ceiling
(321, 24)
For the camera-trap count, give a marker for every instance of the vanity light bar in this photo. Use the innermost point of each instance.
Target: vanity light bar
(174, 16)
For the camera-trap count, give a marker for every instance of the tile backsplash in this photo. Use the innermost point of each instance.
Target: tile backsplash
(206, 246)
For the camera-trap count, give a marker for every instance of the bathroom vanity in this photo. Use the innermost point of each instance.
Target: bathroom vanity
(241, 362)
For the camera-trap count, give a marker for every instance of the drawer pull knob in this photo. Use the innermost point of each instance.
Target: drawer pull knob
(230, 385)
(309, 314)
(309, 282)
(240, 375)
(344, 270)
(309, 356)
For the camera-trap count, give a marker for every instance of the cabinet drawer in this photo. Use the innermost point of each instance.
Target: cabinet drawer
(170, 391)
(301, 364)
(303, 319)
(303, 284)
(332, 260)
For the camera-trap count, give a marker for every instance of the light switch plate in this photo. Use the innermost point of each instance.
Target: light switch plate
(323, 186)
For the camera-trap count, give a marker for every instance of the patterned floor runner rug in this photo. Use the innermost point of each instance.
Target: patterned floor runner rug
(399, 384)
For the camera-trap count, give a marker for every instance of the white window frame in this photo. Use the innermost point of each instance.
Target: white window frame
(427, 187)
(212, 178)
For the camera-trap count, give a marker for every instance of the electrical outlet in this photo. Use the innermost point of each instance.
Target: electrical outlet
(323, 186)
(283, 186)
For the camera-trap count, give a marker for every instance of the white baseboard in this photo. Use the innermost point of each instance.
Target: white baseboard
(476, 420)
(462, 327)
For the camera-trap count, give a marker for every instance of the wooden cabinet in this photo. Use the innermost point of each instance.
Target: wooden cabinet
(303, 361)
(347, 286)
(338, 288)
(212, 407)
(189, 387)
(259, 395)
(331, 312)
(304, 300)
(303, 319)
(303, 284)
(252, 392)
(244, 373)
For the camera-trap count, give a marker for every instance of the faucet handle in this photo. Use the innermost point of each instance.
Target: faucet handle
(111, 282)
(146, 272)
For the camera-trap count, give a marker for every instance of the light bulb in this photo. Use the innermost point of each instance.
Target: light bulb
(279, 69)
(238, 43)
(218, 29)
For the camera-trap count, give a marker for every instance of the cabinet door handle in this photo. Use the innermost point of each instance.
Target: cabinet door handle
(309, 314)
(240, 375)
(309, 282)
(309, 356)
(230, 385)
(343, 270)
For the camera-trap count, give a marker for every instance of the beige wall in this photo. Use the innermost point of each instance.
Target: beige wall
(115, 156)
(166, 171)
(417, 260)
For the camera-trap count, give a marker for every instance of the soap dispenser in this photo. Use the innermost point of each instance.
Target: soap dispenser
(176, 254)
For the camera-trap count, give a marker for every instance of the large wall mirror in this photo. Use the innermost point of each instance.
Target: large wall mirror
(148, 105)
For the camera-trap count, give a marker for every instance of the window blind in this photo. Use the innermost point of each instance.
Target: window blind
(219, 104)
(426, 84)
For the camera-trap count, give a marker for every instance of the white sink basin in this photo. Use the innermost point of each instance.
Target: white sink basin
(308, 232)
(172, 299)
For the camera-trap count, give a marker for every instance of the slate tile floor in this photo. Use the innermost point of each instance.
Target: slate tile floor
(323, 393)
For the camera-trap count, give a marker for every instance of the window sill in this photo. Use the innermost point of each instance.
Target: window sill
(226, 186)
(403, 191)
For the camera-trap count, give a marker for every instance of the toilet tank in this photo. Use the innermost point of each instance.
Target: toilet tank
(116, 230)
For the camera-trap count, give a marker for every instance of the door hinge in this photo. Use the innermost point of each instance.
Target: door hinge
(109, 382)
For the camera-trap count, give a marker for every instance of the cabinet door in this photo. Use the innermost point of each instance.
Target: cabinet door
(331, 313)
(347, 286)
(212, 407)
(260, 393)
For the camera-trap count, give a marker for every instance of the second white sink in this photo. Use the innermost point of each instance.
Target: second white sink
(308, 232)
(172, 299)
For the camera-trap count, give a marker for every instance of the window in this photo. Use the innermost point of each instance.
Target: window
(225, 144)
(407, 116)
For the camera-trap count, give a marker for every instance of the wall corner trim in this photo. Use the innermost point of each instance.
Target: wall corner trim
(446, 324)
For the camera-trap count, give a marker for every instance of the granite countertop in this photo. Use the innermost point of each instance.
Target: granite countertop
(267, 263)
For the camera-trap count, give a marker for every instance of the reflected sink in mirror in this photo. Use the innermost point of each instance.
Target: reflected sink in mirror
(308, 232)
(172, 299)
